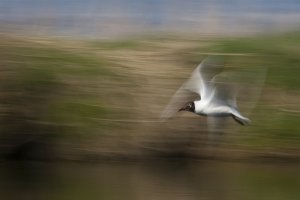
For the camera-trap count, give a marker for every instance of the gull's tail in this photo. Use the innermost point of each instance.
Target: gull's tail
(236, 115)
(243, 121)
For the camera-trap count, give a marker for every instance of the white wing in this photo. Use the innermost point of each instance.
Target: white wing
(225, 87)
(199, 83)
(252, 81)
(200, 80)
(239, 88)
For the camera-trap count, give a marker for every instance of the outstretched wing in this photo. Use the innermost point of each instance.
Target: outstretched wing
(198, 83)
(181, 97)
(239, 88)
(200, 80)
(225, 88)
(251, 84)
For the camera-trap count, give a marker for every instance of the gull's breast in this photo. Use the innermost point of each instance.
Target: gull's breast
(216, 110)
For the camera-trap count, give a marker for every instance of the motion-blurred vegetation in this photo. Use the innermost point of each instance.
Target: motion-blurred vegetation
(87, 99)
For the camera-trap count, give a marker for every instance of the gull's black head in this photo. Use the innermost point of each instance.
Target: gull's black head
(190, 106)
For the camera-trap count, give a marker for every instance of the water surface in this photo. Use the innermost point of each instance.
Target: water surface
(150, 180)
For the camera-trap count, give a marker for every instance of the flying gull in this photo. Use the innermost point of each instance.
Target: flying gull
(218, 96)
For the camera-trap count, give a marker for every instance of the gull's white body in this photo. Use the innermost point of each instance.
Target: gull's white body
(209, 109)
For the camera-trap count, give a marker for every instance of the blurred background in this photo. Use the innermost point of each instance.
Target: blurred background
(83, 84)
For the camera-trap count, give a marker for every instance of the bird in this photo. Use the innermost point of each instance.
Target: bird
(216, 96)
(212, 101)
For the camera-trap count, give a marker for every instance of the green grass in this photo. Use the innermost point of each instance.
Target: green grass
(49, 85)
(69, 92)
(280, 54)
(117, 45)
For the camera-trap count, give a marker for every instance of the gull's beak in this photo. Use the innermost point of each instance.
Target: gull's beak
(181, 109)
